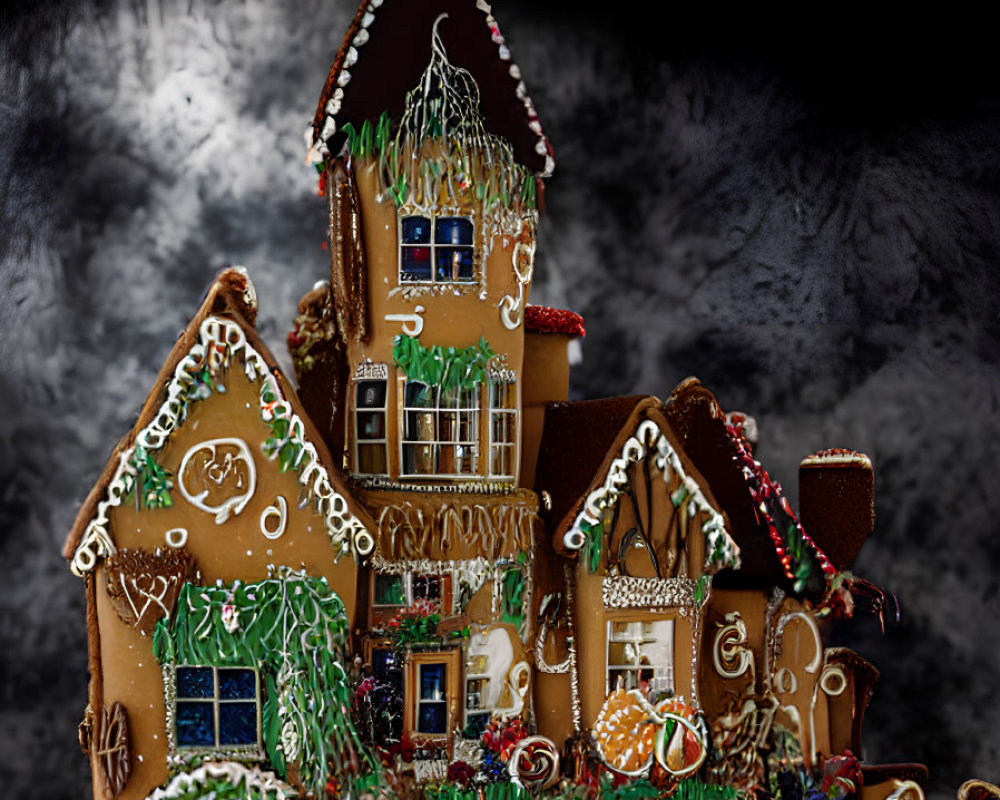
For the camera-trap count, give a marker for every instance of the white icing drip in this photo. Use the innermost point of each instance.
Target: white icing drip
(219, 340)
(648, 435)
(256, 782)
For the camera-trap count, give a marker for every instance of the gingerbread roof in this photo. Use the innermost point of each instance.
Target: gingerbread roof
(386, 49)
(759, 515)
(584, 441)
(700, 423)
(231, 303)
(576, 439)
(542, 319)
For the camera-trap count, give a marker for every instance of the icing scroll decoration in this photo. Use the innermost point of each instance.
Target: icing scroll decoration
(112, 748)
(218, 476)
(731, 654)
(512, 309)
(221, 342)
(413, 324)
(279, 510)
(785, 682)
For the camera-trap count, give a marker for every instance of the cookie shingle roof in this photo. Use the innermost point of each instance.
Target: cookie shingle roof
(387, 48)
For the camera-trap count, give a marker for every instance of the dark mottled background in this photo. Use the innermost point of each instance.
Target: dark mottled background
(801, 211)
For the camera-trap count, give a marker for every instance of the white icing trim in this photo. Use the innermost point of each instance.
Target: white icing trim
(508, 304)
(318, 149)
(906, 790)
(779, 681)
(250, 778)
(413, 324)
(833, 671)
(219, 339)
(176, 538)
(648, 437)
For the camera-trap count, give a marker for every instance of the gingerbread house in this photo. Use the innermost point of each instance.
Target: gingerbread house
(427, 570)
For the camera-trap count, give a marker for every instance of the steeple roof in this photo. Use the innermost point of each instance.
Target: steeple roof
(387, 48)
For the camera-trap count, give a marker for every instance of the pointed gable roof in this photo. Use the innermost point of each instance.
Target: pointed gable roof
(384, 53)
(587, 445)
(230, 307)
(760, 516)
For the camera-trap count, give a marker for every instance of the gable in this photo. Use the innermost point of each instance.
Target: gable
(647, 513)
(226, 466)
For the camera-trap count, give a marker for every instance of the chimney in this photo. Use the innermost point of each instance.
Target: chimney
(837, 502)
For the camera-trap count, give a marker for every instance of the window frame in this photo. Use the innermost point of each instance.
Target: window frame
(670, 678)
(253, 751)
(436, 443)
(409, 597)
(432, 245)
(511, 412)
(452, 690)
(358, 410)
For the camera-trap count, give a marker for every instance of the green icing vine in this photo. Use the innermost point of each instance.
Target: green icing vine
(595, 541)
(701, 587)
(286, 444)
(513, 591)
(294, 628)
(151, 483)
(448, 367)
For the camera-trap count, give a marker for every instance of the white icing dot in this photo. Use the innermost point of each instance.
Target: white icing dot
(139, 757)
(269, 551)
(249, 552)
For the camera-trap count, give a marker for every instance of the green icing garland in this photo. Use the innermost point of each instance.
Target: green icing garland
(294, 628)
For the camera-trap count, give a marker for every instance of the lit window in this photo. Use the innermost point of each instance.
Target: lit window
(369, 426)
(440, 430)
(477, 679)
(217, 707)
(503, 428)
(436, 250)
(641, 656)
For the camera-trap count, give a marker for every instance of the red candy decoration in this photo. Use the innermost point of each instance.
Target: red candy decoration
(542, 319)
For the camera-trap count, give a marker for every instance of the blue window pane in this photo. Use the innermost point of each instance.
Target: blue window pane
(453, 230)
(432, 681)
(454, 263)
(195, 725)
(416, 230)
(237, 723)
(416, 264)
(237, 684)
(195, 682)
(432, 718)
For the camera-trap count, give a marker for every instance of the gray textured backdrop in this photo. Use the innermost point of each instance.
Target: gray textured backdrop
(803, 213)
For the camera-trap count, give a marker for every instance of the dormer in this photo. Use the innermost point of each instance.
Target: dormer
(431, 157)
